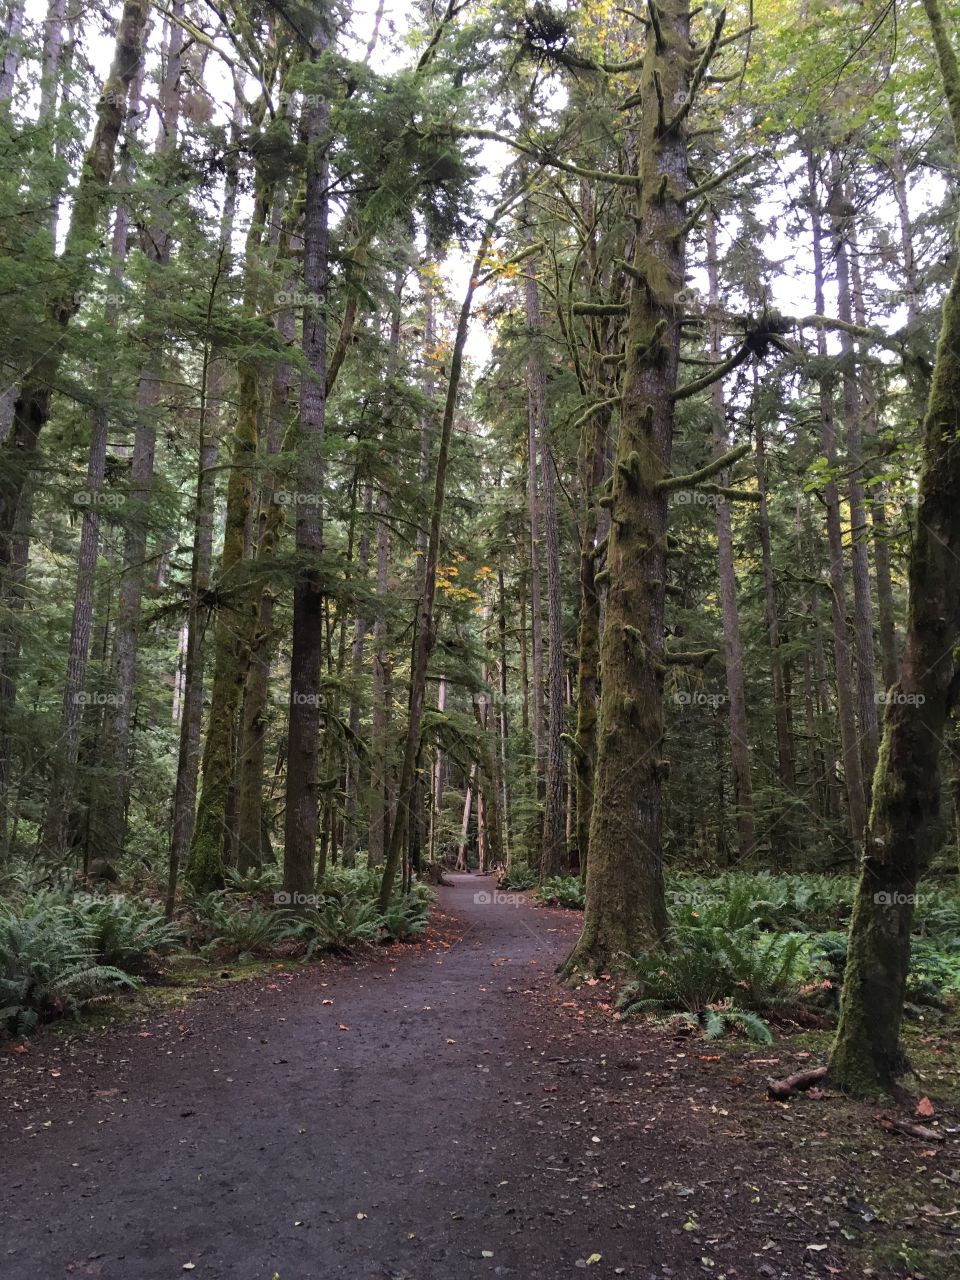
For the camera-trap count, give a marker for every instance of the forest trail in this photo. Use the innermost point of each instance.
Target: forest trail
(430, 1113)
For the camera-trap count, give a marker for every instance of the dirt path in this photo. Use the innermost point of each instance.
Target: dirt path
(433, 1113)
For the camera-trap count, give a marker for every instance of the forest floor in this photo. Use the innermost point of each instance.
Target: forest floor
(444, 1111)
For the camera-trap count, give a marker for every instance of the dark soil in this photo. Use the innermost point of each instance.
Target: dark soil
(440, 1112)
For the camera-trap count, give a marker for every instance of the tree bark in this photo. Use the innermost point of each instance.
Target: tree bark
(32, 406)
(846, 710)
(853, 431)
(904, 821)
(109, 810)
(551, 735)
(732, 646)
(625, 902)
(300, 818)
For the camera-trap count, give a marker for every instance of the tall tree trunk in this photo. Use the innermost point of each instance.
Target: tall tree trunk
(109, 810)
(536, 419)
(591, 464)
(904, 820)
(625, 901)
(853, 430)
(32, 406)
(212, 845)
(300, 818)
(380, 806)
(732, 646)
(551, 854)
(886, 609)
(351, 835)
(846, 709)
(60, 800)
(783, 833)
(12, 49)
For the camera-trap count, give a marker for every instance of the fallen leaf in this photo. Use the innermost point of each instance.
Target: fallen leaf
(926, 1108)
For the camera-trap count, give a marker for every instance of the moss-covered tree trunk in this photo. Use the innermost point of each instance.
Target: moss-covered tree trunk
(625, 903)
(18, 450)
(904, 820)
(592, 453)
(303, 746)
(212, 846)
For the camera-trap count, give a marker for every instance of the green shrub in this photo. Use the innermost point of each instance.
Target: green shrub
(235, 928)
(339, 923)
(717, 977)
(520, 876)
(563, 891)
(126, 933)
(406, 918)
(48, 968)
(265, 879)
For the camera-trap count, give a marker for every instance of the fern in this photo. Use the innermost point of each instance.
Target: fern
(563, 891)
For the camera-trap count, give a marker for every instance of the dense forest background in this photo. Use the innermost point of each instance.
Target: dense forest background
(489, 435)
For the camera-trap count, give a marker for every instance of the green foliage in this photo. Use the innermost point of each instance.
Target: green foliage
(339, 923)
(128, 933)
(237, 928)
(520, 876)
(563, 891)
(709, 969)
(49, 967)
(265, 879)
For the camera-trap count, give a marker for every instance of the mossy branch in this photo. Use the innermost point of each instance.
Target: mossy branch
(545, 157)
(695, 478)
(738, 35)
(731, 495)
(689, 657)
(695, 193)
(657, 25)
(661, 105)
(594, 408)
(687, 226)
(600, 308)
(700, 71)
(574, 746)
(716, 373)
